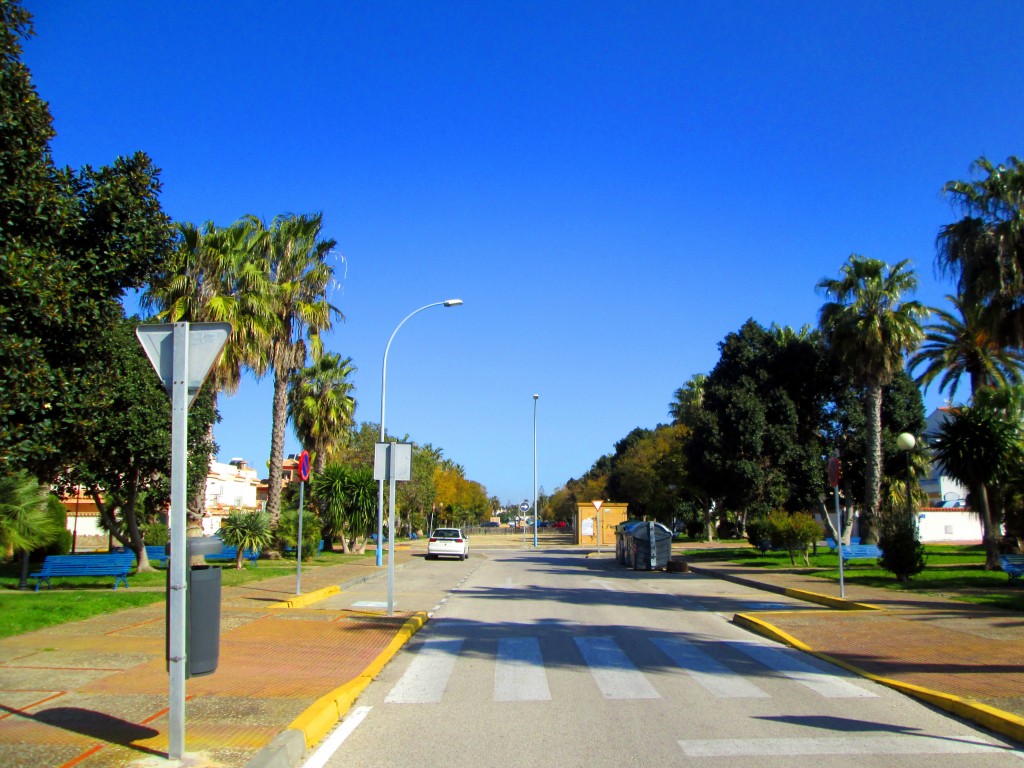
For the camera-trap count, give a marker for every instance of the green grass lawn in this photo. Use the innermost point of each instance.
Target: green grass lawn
(954, 571)
(73, 599)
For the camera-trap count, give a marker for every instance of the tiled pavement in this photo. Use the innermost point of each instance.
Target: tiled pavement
(94, 693)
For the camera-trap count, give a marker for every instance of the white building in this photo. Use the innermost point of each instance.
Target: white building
(228, 487)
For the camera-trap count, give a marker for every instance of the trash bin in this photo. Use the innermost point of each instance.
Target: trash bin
(202, 608)
(622, 542)
(651, 544)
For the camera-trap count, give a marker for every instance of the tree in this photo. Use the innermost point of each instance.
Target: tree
(246, 530)
(211, 276)
(127, 465)
(25, 522)
(688, 401)
(966, 346)
(71, 242)
(321, 406)
(869, 328)
(296, 262)
(979, 448)
(985, 249)
(346, 499)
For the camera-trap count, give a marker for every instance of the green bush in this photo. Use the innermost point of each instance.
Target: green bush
(793, 532)
(287, 532)
(759, 532)
(902, 550)
(157, 534)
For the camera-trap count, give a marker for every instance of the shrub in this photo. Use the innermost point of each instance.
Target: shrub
(287, 532)
(157, 534)
(759, 533)
(794, 532)
(246, 530)
(902, 550)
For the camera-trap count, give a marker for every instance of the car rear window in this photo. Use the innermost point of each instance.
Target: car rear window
(446, 533)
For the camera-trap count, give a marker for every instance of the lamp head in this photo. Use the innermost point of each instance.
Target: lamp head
(535, 397)
(453, 303)
(906, 441)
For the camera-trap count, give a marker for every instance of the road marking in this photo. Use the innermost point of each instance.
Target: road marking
(713, 676)
(612, 670)
(369, 604)
(427, 676)
(604, 584)
(519, 672)
(336, 738)
(789, 663)
(905, 744)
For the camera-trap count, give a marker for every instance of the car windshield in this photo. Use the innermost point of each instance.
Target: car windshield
(446, 533)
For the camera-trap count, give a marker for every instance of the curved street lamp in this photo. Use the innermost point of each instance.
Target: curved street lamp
(383, 391)
(536, 517)
(906, 442)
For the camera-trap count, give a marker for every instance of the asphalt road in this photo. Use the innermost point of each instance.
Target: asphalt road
(549, 658)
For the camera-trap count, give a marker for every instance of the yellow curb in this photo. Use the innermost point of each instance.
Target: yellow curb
(832, 602)
(301, 601)
(994, 719)
(321, 716)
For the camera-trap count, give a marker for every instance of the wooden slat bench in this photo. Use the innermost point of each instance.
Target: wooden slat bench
(229, 552)
(1012, 565)
(157, 553)
(116, 564)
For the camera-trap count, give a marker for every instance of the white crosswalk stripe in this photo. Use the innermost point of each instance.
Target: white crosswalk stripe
(614, 673)
(791, 664)
(427, 677)
(520, 674)
(902, 744)
(713, 676)
(519, 671)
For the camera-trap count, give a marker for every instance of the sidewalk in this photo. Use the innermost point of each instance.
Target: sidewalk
(93, 694)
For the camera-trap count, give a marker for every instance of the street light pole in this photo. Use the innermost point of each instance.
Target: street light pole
(906, 442)
(383, 390)
(535, 510)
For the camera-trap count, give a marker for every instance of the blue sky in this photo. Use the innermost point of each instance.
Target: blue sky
(610, 187)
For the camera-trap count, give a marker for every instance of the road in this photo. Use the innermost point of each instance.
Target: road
(549, 658)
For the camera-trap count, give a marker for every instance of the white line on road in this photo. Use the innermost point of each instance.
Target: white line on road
(519, 672)
(336, 738)
(907, 744)
(716, 678)
(612, 670)
(427, 676)
(788, 662)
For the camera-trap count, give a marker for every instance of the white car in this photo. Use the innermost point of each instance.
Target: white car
(449, 542)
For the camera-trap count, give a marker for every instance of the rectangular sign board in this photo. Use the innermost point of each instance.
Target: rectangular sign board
(401, 461)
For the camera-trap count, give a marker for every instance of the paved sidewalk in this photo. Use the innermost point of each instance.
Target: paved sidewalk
(93, 694)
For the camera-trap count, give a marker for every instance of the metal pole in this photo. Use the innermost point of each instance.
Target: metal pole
(391, 529)
(383, 395)
(179, 554)
(535, 511)
(298, 544)
(839, 529)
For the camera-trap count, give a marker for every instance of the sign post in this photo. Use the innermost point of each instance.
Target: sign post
(597, 505)
(834, 475)
(524, 507)
(392, 461)
(303, 477)
(182, 354)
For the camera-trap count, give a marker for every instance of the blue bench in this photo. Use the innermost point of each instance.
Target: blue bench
(861, 552)
(1012, 565)
(229, 552)
(157, 553)
(116, 564)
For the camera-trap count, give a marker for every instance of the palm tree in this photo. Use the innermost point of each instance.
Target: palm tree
(211, 277)
(688, 400)
(962, 346)
(346, 498)
(296, 262)
(246, 530)
(985, 250)
(978, 448)
(869, 328)
(25, 523)
(321, 406)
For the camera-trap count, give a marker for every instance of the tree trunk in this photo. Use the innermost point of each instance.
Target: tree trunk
(280, 418)
(873, 465)
(988, 532)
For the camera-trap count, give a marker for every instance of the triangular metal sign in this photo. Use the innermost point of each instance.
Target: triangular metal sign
(597, 504)
(205, 343)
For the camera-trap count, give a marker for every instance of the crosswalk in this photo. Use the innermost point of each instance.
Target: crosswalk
(520, 674)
